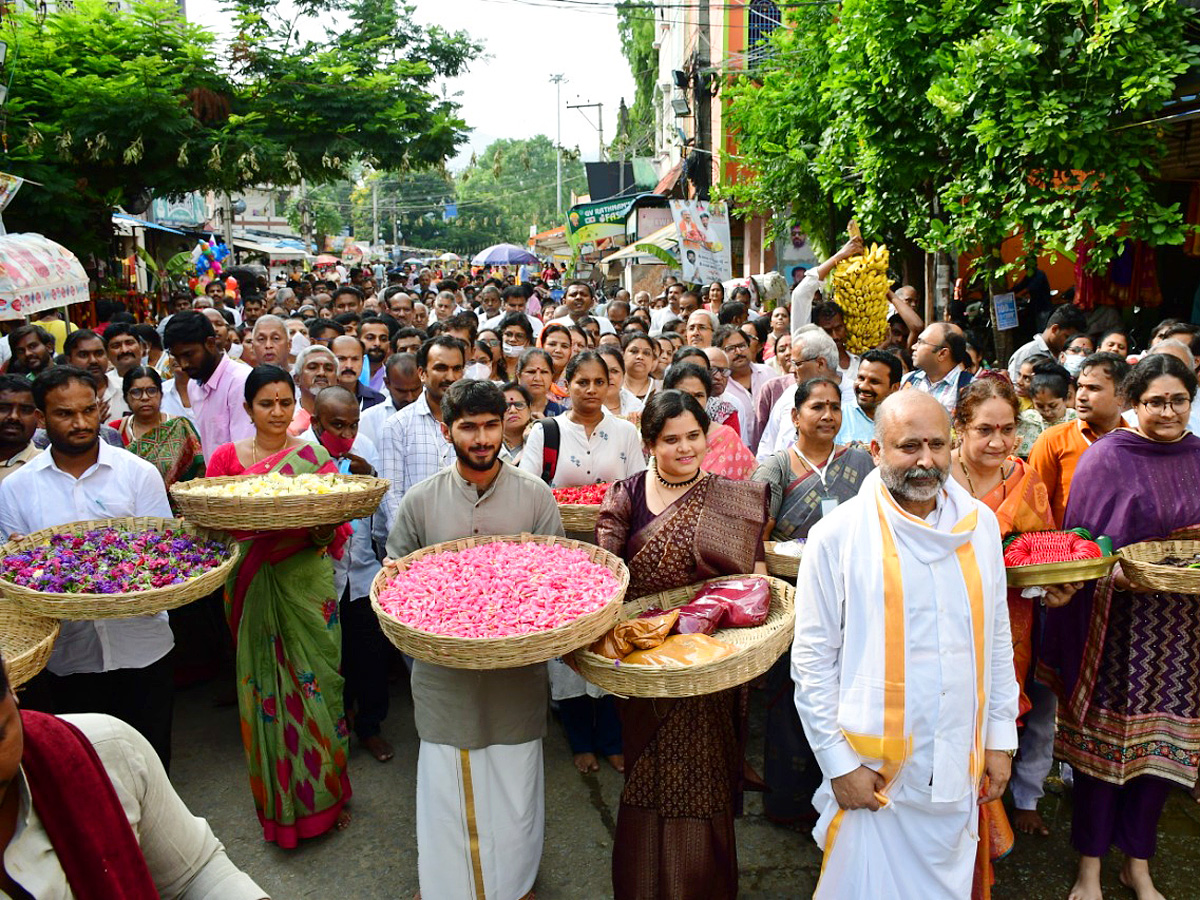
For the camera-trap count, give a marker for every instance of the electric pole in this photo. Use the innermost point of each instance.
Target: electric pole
(557, 81)
(599, 107)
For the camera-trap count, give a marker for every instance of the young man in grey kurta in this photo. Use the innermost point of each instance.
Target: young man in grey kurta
(480, 794)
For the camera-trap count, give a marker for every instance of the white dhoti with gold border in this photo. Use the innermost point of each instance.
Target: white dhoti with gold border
(910, 848)
(480, 820)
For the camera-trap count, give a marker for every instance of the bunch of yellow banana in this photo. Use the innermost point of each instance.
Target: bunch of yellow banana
(860, 287)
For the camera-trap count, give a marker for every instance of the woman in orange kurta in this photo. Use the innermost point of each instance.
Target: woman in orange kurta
(986, 423)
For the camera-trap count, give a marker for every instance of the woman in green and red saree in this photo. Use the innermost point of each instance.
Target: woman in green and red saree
(283, 614)
(675, 525)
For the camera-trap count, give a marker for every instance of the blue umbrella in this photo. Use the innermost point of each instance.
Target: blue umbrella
(503, 255)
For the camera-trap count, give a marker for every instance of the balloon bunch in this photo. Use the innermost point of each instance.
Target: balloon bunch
(208, 257)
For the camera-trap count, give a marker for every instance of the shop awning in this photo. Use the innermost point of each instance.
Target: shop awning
(275, 251)
(662, 245)
(134, 221)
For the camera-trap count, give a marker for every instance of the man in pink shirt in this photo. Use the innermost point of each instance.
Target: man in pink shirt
(217, 385)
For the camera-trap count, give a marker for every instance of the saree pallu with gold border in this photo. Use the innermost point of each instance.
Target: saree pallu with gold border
(283, 613)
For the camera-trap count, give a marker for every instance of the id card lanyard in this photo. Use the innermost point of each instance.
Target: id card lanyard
(828, 504)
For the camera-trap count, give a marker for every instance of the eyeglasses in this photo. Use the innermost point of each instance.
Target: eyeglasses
(517, 404)
(144, 393)
(1158, 405)
(800, 362)
(724, 372)
(930, 344)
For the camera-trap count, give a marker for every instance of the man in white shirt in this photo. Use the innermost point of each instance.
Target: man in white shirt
(833, 322)
(813, 354)
(489, 303)
(402, 386)
(514, 301)
(579, 300)
(411, 443)
(70, 837)
(119, 667)
(903, 667)
(85, 350)
(805, 291)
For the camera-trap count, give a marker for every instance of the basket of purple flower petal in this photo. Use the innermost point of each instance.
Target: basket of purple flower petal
(115, 568)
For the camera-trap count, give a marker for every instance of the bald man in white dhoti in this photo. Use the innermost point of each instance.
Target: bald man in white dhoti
(903, 667)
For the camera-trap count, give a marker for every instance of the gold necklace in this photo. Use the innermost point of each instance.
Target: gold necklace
(971, 484)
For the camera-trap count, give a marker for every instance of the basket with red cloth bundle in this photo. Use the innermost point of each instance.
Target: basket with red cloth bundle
(1040, 558)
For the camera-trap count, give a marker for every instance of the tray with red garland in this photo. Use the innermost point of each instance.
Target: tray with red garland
(1069, 556)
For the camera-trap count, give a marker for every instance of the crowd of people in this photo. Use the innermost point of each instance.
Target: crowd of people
(919, 688)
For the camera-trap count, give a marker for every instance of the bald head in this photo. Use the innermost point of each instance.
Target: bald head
(334, 400)
(912, 449)
(908, 406)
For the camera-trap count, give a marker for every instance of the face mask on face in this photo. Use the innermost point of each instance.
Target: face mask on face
(477, 372)
(336, 445)
(235, 352)
(1073, 364)
(299, 342)
(511, 350)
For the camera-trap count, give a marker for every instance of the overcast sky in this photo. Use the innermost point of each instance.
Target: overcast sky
(507, 92)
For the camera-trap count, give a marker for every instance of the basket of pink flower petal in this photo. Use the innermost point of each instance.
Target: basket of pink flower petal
(499, 602)
(114, 568)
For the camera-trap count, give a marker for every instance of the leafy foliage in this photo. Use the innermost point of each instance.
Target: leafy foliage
(635, 24)
(961, 123)
(106, 105)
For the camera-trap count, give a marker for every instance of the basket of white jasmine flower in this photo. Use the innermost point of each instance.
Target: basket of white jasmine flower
(277, 502)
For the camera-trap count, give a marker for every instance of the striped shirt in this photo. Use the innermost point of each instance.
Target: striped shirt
(411, 448)
(944, 391)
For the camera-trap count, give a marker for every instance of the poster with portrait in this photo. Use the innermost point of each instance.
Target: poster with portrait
(704, 253)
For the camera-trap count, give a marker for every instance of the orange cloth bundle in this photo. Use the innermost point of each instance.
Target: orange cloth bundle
(635, 634)
(682, 650)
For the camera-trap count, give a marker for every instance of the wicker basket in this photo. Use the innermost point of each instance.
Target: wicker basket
(277, 513)
(25, 642)
(116, 606)
(1140, 564)
(506, 652)
(758, 649)
(1045, 574)
(579, 517)
(781, 565)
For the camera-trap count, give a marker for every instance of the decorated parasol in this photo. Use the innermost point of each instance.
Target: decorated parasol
(36, 274)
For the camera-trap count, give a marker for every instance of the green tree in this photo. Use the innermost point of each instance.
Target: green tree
(517, 178)
(107, 106)
(780, 151)
(635, 24)
(960, 124)
(330, 204)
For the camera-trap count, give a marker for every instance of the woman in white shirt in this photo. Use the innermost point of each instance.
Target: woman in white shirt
(593, 446)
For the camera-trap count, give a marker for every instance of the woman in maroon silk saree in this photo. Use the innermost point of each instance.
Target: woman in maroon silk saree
(683, 757)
